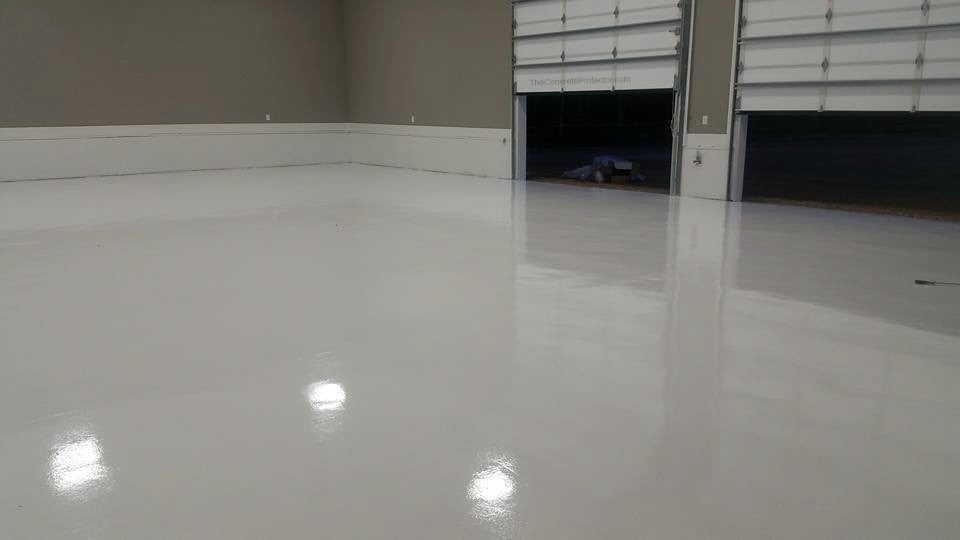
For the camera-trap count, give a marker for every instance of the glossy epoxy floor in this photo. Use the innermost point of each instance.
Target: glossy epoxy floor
(358, 352)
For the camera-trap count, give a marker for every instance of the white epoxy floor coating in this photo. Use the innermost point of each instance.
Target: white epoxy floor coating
(358, 352)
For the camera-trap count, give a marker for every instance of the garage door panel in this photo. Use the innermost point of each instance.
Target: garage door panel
(792, 60)
(644, 11)
(893, 97)
(947, 12)
(942, 70)
(780, 17)
(538, 17)
(883, 71)
(804, 26)
(852, 98)
(621, 75)
(783, 10)
(589, 78)
(942, 56)
(784, 17)
(589, 47)
(548, 16)
(864, 58)
(940, 96)
(800, 98)
(590, 14)
(654, 41)
(645, 74)
(877, 21)
(531, 51)
(795, 73)
(782, 52)
(873, 14)
(601, 46)
(539, 79)
(867, 49)
(853, 7)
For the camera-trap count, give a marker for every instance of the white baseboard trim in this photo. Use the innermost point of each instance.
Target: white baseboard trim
(460, 150)
(70, 152)
(76, 152)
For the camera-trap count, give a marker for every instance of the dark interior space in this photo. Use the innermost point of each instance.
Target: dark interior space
(904, 164)
(568, 130)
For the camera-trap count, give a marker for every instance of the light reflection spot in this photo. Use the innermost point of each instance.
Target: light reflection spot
(326, 396)
(77, 464)
(492, 484)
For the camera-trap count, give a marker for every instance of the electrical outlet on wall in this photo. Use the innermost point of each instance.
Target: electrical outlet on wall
(413, 119)
(706, 120)
(268, 117)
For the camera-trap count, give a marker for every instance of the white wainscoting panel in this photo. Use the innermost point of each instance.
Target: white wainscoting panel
(706, 166)
(473, 151)
(69, 152)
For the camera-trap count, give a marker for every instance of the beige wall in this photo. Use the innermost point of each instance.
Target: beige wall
(445, 61)
(714, 26)
(106, 62)
(131, 62)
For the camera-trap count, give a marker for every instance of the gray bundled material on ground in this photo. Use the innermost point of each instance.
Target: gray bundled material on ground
(603, 168)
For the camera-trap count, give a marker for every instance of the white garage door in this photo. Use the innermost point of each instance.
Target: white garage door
(588, 45)
(850, 55)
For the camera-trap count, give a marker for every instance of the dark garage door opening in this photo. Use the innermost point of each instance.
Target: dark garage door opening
(566, 131)
(890, 163)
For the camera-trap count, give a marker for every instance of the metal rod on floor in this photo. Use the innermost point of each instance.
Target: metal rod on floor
(936, 283)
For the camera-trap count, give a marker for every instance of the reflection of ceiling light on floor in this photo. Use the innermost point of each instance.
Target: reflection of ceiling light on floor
(492, 490)
(492, 484)
(75, 465)
(326, 396)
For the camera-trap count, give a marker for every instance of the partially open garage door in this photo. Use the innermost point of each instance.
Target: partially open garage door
(849, 55)
(589, 48)
(590, 45)
(851, 104)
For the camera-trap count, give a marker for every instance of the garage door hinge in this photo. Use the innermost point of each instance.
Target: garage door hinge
(563, 18)
(925, 8)
(741, 67)
(614, 53)
(825, 65)
(514, 59)
(616, 12)
(919, 61)
(514, 24)
(563, 56)
(739, 102)
(829, 15)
